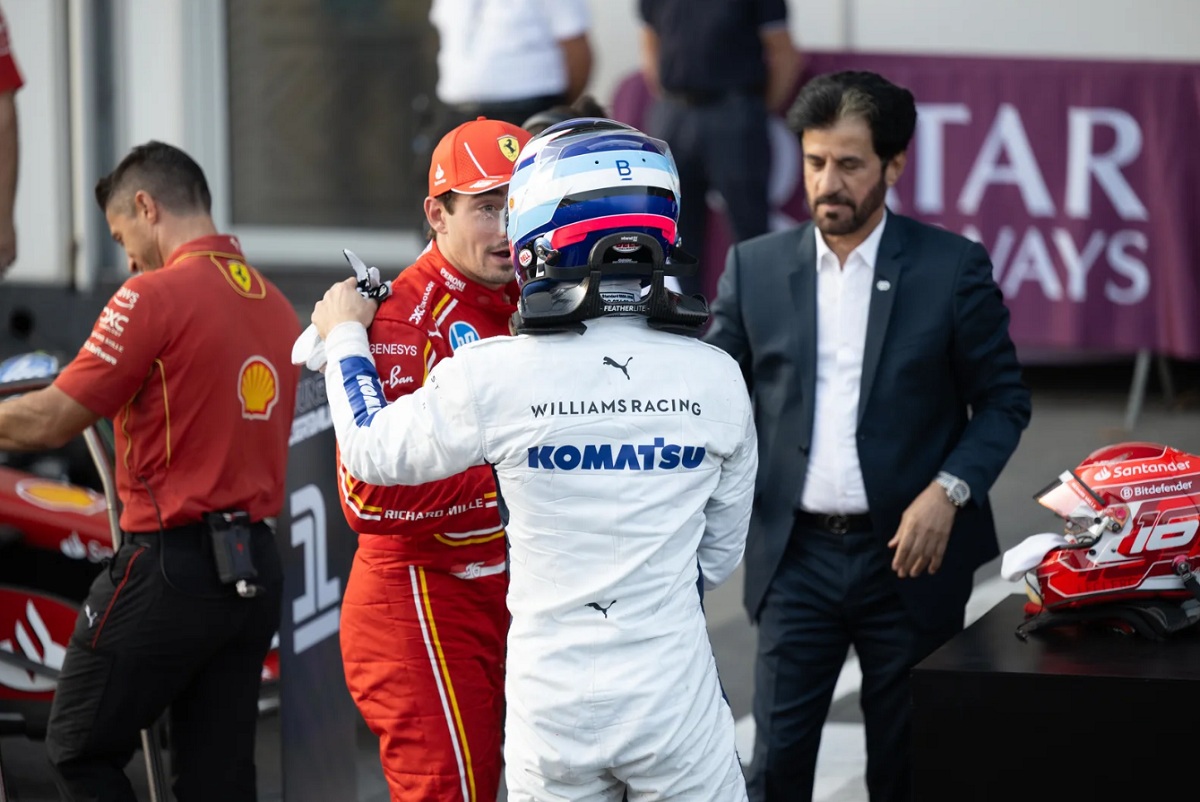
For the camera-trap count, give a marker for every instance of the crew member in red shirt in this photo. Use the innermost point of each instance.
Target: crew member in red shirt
(424, 619)
(10, 82)
(191, 358)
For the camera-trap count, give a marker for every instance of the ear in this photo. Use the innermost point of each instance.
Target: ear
(895, 168)
(145, 206)
(435, 215)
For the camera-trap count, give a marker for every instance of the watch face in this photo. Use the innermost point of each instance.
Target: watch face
(959, 493)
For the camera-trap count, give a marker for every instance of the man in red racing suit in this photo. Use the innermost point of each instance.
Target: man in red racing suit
(424, 620)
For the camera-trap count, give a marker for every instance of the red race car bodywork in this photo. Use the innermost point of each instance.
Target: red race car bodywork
(53, 537)
(56, 535)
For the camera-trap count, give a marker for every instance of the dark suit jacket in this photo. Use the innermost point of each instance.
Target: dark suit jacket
(941, 390)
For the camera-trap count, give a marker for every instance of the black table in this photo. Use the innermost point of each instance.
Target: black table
(1069, 714)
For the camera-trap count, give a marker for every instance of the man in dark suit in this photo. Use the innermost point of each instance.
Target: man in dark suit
(887, 397)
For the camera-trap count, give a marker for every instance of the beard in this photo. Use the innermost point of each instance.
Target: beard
(860, 213)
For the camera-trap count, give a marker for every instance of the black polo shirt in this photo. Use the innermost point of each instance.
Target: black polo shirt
(708, 46)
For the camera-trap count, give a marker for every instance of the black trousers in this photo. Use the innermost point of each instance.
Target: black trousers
(158, 631)
(722, 145)
(514, 112)
(831, 592)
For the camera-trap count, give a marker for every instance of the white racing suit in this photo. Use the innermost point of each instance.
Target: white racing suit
(625, 455)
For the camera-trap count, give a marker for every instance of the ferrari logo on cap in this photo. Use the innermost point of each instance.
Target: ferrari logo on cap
(509, 147)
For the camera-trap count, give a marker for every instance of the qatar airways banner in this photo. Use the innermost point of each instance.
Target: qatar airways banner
(1081, 178)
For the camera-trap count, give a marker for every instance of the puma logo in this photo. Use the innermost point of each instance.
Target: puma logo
(598, 607)
(91, 617)
(608, 360)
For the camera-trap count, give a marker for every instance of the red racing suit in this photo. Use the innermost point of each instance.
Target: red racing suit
(424, 620)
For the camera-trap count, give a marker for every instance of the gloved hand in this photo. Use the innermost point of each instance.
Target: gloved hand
(308, 349)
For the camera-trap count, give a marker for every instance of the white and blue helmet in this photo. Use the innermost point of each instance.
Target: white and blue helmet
(582, 179)
(593, 199)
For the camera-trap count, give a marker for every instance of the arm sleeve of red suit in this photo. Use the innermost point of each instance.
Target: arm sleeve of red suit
(114, 360)
(403, 356)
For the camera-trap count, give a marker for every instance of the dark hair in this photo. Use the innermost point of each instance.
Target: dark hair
(168, 174)
(889, 110)
(584, 106)
(447, 201)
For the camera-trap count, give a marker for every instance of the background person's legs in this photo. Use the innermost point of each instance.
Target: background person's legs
(738, 161)
(679, 126)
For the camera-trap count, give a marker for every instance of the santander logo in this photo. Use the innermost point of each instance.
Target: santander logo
(1149, 469)
(1102, 474)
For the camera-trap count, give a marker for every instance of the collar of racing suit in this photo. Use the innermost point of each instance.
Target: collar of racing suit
(465, 289)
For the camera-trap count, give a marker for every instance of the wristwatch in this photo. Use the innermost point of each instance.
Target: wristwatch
(958, 491)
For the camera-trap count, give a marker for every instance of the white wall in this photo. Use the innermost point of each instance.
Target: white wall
(56, 177)
(38, 34)
(168, 89)
(149, 44)
(1153, 30)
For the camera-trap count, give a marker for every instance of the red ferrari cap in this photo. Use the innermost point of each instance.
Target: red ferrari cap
(475, 157)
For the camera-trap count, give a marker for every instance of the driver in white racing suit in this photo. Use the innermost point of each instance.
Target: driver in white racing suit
(626, 454)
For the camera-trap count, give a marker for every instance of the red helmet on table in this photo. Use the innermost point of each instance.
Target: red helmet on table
(1131, 539)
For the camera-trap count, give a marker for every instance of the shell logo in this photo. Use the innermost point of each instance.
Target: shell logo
(258, 388)
(59, 497)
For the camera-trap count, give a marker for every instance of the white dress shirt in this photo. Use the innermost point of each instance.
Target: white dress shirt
(834, 482)
(501, 50)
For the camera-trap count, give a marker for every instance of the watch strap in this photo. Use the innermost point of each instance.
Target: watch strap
(958, 491)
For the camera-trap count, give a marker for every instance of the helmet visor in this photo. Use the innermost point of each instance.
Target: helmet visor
(1071, 499)
(556, 169)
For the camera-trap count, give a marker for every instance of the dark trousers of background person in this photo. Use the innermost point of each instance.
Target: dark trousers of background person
(158, 630)
(833, 591)
(514, 112)
(719, 142)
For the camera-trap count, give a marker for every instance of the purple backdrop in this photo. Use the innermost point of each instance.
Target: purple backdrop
(1079, 177)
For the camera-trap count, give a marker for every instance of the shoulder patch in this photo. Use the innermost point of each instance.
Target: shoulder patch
(244, 279)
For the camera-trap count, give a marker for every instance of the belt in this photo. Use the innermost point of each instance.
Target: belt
(540, 103)
(834, 523)
(176, 533)
(709, 98)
